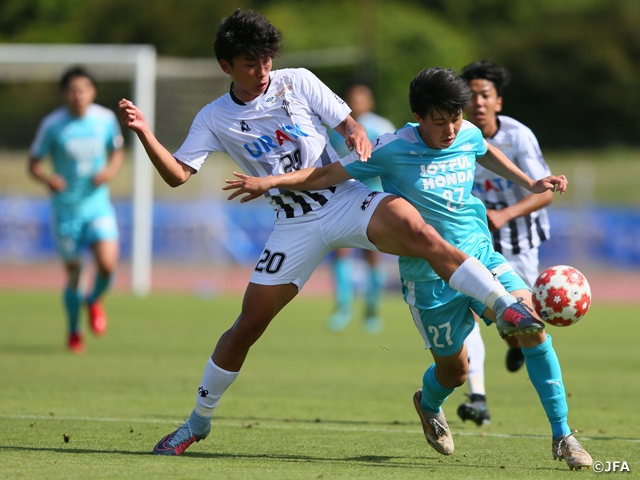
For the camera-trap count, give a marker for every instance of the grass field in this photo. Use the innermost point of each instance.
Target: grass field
(309, 404)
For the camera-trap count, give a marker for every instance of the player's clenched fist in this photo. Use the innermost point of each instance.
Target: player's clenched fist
(131, 116)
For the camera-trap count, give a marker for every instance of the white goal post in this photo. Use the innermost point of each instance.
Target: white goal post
(135, 63)
(169, 90)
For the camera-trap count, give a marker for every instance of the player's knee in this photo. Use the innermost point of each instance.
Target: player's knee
(248, 329)
(424, 240)
(458, 377)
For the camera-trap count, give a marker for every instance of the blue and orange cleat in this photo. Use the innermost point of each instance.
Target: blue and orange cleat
(177, 442)
(518, 318)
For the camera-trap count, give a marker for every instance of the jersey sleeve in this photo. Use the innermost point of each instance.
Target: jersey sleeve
(529, 156)
(115, 140)
(378, 165)
(200, 142)
(42, 141)
(328, 106)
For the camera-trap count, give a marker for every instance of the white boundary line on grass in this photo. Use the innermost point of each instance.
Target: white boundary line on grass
(318, 426)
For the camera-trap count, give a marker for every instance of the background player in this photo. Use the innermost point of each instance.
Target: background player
(271, 122)
(518, 220)
(85, 145)
(431, 164)
(359, 97)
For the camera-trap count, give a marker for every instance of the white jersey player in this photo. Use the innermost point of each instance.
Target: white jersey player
(518, 220)
(270, 122)
(519, 238)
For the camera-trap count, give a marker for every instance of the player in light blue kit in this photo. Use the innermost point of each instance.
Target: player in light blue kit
(431, 164)
(517, 219)
(84, 142)
(359, 97)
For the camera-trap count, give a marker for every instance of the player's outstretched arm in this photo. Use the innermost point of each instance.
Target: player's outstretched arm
(497, 162)
(531, 203)
(305, 179)
(173, 172)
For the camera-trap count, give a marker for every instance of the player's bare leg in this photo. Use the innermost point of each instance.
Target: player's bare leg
(396, 227)
(260, 305)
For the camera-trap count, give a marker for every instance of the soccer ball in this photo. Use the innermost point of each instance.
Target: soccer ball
(561, 295)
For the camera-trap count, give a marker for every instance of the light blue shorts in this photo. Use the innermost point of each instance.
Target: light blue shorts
(75, 229)
(443, 315)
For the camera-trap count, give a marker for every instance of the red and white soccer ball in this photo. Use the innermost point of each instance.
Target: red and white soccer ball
(561, 295)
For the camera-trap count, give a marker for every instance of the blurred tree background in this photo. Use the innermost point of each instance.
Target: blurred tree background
(575, 63)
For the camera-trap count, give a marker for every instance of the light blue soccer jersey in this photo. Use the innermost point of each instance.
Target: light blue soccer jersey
(79, 148)
(437, 182)
(376, 126)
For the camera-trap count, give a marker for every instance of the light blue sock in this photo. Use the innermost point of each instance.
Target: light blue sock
(342, 268)
(72, 302)
(546, 376)
(102, 283)
(375, 290)
(433, 394)
(199, 424)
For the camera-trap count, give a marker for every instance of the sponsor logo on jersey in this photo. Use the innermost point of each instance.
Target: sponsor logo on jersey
(266, 143)
(279, 94)
(496, 184)
(244, 126)
(446, 173)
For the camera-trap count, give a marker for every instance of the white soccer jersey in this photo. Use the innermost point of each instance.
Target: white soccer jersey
(278, 132)
(520, 145)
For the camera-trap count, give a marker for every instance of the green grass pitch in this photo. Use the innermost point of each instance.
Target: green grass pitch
(308, 403)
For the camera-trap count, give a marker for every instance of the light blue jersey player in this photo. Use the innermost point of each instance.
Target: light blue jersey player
(84, 142)
(431, 164)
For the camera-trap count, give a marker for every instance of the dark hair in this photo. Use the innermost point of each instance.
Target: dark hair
(438, 90)
(487, 70)
(72, 73)
(246, 33)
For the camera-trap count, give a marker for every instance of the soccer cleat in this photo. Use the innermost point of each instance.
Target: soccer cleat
(569, 449)
(339, 321)
(435, 427)
(515, 359)
(177, 442)
(475, 410)
(518, 318)
(75, 343)
(373, 325)
(97, 318)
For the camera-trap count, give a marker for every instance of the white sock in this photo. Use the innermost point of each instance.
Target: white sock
(474, 279)
(476, 353)
(215, 382)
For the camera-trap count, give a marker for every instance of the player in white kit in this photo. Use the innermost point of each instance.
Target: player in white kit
(518, 220)
(271, 122)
